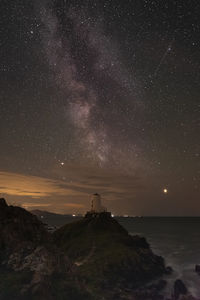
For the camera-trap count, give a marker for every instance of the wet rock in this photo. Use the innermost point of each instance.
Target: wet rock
(169, 270)
(179, 289)
(197, 269)
(158, 286)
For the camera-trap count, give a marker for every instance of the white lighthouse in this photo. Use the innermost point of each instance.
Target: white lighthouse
(96, 206)
(97, 210)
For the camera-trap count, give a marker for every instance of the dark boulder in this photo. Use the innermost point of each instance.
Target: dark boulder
(179, 289)
(197, 269)
(169, 270)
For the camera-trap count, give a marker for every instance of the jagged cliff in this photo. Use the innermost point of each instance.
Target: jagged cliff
(108, 258)
(93, 259)
(31, 266)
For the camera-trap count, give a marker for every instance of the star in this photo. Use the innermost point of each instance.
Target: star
(93, 89)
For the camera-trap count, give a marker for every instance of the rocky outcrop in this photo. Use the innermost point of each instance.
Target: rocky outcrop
(197, 269)
(3, 203)
(31, 266)
(93, 258)
(107, 257)
(19, 227)
(179, 289)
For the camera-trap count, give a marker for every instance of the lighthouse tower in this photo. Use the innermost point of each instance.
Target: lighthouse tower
(96, 204)
(97, 210)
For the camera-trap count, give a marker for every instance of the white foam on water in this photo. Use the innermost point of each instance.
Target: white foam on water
(188, 275)
(177, 241)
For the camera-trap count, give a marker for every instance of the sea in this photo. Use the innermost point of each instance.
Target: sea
(176, 239)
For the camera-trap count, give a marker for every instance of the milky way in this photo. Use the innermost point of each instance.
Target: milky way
(100, 96)
(89, 70)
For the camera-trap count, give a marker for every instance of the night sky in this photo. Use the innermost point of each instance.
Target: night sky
(100, 96)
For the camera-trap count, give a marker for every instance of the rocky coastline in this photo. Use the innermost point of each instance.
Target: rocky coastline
(93, 258)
